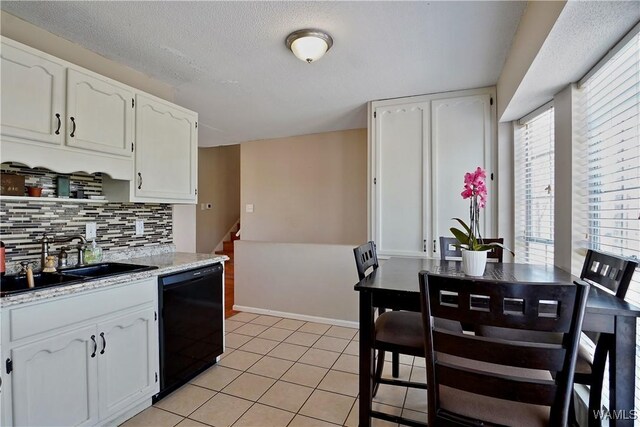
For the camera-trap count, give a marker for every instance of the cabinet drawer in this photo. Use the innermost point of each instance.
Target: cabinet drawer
(57, 313)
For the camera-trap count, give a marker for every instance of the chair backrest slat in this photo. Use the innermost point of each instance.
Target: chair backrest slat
(521, 354)
(609, 271)
(366, 257)
(534, 372)
(448, 251)
(534, 391)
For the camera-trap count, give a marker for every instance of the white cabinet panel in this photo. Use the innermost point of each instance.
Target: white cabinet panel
(461, 141)
(99, 114)
(55, 381)
(401, 208)
(128, 360)
(166, 151)
(32, 96)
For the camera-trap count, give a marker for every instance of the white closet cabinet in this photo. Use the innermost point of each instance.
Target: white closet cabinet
(419, 149)
(99, 113)
(33, 101)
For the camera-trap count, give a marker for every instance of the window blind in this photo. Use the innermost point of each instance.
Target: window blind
(612, 178)
(534, 187)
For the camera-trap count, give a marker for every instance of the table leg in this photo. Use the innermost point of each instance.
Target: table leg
(366, 358)
(622, 368)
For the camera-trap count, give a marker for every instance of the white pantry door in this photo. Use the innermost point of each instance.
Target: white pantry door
(461, 140)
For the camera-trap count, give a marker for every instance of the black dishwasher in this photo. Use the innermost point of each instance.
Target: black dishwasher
(191, 321)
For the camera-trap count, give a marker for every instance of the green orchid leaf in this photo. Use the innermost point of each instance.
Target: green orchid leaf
(490, 246)
(460, 235)
(464, 225)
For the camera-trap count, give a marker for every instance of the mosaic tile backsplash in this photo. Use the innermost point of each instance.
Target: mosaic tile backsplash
(22, 222)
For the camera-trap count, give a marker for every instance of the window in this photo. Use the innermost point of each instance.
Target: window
(534, 187)
(611, 205)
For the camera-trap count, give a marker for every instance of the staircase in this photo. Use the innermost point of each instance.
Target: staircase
(227, 249)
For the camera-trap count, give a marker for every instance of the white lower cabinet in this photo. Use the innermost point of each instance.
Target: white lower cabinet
(126, 369)
(96, 367)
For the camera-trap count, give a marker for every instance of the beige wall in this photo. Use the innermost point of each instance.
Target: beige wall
(306, 189)
(305, 281)
(24, 32)
(218, 184)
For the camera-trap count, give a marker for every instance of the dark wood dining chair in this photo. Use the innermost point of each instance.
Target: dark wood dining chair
(448, 250)
(398, 332)
(614, 274)
(476, 380)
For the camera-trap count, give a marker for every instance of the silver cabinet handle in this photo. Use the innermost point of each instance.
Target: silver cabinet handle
(139, 180)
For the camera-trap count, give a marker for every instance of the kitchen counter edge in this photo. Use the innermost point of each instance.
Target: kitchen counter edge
(167, 263)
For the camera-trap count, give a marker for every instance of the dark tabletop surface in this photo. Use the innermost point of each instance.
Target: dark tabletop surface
(401, 275)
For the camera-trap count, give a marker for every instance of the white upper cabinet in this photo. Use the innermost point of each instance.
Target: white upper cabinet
(99, 114)
(166, 151)
(32, 96)
(419, 149)
(65, 118)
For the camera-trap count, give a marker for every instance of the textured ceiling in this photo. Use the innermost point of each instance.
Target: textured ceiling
(228, 61)
(583, 33)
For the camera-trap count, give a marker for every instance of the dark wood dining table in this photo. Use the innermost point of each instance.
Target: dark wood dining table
(394, 285)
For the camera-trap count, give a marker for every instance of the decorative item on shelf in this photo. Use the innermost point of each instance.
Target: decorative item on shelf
(63, 186)
(474, 251)
(11, 185)
(34, 191)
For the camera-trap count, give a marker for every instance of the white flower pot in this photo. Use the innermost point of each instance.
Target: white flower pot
(474, 262)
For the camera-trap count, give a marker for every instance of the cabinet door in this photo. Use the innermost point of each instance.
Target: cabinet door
(99, 115)
(401, 174)
(166, 151)
(54, 381)
(127, 360)
(32, 96)
(461, 140)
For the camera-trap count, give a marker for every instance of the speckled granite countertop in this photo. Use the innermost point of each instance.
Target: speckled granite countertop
(168, 262)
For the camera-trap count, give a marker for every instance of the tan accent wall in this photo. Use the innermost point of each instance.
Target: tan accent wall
(305, 189)
(218, 184)
(27, 33)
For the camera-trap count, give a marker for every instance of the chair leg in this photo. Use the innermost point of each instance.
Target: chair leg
(571, 419)
(595, 403)
(395, 365)
(378, 374)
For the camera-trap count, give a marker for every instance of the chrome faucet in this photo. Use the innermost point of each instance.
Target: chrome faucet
(48, 239)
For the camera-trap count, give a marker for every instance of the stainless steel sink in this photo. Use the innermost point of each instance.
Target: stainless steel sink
(13, 284)
(105, 269)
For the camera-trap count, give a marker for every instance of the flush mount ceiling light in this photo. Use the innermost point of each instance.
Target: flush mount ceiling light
(309, 45)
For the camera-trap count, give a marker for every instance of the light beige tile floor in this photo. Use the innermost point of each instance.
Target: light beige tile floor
(283, 372)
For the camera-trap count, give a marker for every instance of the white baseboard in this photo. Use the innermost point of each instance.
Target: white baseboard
(296, 316)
